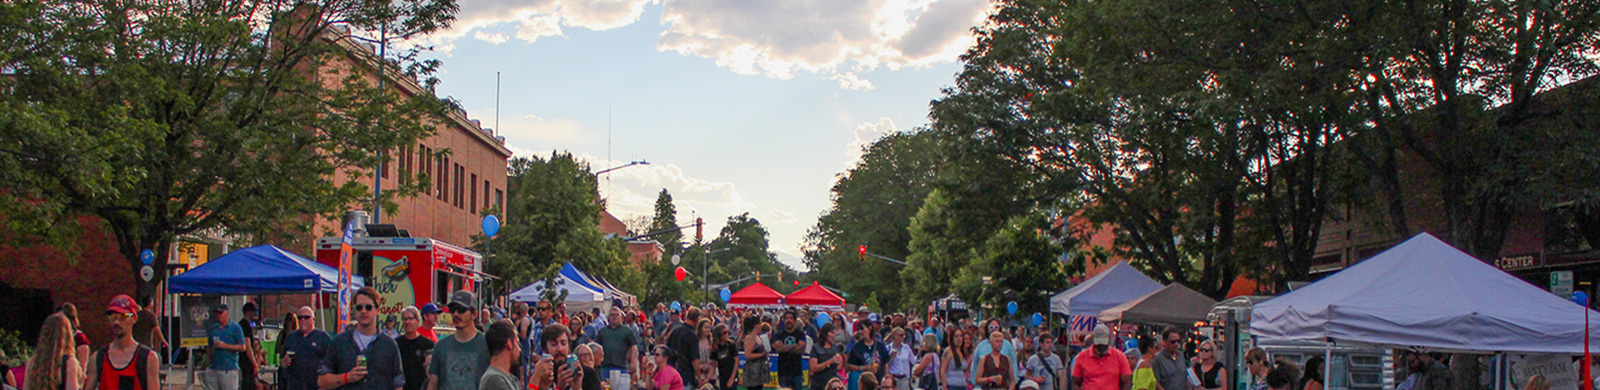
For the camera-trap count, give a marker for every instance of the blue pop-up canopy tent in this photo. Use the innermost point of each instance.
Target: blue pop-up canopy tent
(257, 270)
(1426, 293)
(1114, 286)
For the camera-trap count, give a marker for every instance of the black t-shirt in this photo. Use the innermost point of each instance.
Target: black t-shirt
(727, 357)
(685, 343)
(789, 362)
(591, 379)
(413, 356)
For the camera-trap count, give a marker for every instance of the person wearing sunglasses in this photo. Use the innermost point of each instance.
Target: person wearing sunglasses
(1212, 376)
(414, 349)
(460, 360)
(140, 366)
(303, 352)
(362, 357)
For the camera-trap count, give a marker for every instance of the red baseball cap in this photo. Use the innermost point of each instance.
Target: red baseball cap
(122, 304)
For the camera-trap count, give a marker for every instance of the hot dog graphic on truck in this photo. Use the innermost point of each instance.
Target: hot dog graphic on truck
(409, 271)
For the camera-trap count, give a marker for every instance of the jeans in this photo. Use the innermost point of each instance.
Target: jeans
(791, 382)
(220, 380)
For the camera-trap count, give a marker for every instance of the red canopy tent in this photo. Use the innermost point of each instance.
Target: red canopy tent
(816, 297)
(756, 296)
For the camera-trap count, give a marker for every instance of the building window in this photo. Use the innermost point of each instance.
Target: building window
(486, 193)
(500, 202)
(459, 187)
(444, 180)
(472, 203)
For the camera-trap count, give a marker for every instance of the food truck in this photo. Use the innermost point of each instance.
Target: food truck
(408, 271)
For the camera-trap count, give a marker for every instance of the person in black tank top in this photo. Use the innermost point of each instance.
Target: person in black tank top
(1209, 369)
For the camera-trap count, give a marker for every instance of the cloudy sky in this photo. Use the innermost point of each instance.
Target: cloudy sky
(738, 105)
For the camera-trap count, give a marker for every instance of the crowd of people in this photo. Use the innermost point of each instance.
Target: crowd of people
(543, 346)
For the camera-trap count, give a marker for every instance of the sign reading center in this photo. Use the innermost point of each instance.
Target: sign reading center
(1561, 283)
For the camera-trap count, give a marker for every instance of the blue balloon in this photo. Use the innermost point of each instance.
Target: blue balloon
(676, 306)
(147, 256)
(491, 225)
(1580, 298)
(1037, 319)
(726, 295)
(1131, 344)
(1011, 308)
(822, 319)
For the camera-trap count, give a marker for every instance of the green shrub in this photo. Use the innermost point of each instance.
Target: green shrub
(15, 350)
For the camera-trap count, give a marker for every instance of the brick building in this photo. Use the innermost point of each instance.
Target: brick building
(466, 181)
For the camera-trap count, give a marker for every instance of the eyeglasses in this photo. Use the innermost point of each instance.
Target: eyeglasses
(1205, 349)
(460, 310)
(305, 317)
(119, 316)
(363, 307)
(544, 308)
(408, 318)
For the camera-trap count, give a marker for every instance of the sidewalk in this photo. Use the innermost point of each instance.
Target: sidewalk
(176, 377)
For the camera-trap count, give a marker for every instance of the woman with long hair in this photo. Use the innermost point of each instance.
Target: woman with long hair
(926, 371)
(1144, 375)
(756, 370)
(1212, 376)
(80, 341)
(1312, 378)
(290, 324)
(726, 355)
(53, 366)
(705, 367)
(957, 361)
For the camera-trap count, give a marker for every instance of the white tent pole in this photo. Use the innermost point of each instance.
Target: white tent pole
(1327, 365)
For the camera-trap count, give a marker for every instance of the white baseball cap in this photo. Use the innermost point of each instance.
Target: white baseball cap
(1101, 335)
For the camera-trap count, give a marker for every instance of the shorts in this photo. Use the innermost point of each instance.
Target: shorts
(220, 380)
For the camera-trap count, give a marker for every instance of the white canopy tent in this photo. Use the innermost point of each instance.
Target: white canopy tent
(579, 298)
(1425, 293)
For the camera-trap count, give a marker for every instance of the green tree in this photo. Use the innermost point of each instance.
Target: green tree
(742, 248)
(873, 204)
(1025, 263)
(975, 194)
(553, 217)
(666, 220)
(161, 119)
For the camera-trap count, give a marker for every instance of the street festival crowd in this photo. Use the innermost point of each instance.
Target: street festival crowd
(543, 347)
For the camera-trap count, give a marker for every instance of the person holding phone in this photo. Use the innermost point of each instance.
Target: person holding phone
(361, 357)
(558, 368)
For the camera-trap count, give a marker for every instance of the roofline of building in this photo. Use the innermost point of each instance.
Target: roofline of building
(364, 54)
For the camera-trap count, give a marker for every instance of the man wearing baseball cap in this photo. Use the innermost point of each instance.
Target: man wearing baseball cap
(1101, 367)
(430, 318)
(141, 368)
(227, 341)
(460, 360)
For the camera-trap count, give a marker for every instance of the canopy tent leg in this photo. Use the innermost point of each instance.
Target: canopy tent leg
(1327, 365)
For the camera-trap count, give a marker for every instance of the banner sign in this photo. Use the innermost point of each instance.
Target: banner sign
(346, 250)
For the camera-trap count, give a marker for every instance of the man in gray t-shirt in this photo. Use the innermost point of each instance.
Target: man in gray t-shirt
(460, 360)
(1170, 366)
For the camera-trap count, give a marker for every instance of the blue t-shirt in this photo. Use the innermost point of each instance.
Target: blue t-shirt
(222, 359)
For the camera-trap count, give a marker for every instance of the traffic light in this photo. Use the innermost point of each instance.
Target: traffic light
(699, 229)
(863, 250)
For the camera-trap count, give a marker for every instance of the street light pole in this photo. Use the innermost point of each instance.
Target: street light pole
(605, 171)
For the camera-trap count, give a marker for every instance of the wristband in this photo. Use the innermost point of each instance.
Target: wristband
(345, 377)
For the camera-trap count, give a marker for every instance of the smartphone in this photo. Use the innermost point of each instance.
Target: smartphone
(572, 362)
(361, 360)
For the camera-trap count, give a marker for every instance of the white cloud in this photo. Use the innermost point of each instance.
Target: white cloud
(868, 132)
(495, 38)
(833, 39)
(849, 80)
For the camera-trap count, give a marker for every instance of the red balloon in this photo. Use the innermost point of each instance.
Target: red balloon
(680, 273)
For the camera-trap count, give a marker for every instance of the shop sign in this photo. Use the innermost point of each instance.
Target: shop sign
(1511, 263)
